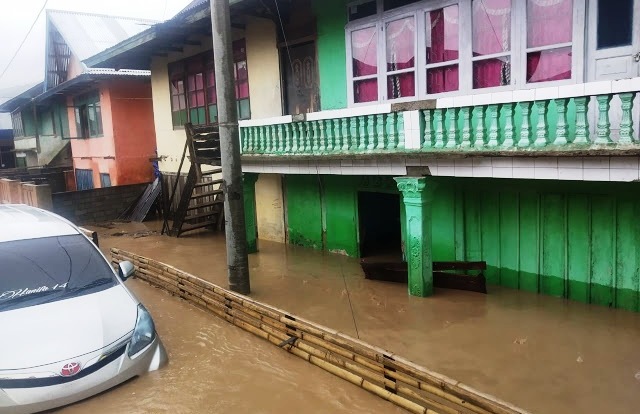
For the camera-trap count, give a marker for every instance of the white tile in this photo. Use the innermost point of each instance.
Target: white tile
(502, 172)
(482, 162)
(624, 162)
(502, 162)
(371, 163)
(324, 169)
(369, 170)
(571, 91)
(463, 171)
(523, 162)
(595, 162)
(312, 168)
(481, 99)
(385, 169)
(597, 88)
(445, 162)
(573, 174)
(635, 84)
(346, 163)
(524, 95)
(481, 172)
(622, 85)
(528, 172)
(623, 175)
(398, 170)
(399, 162)
(463, 162)
(413, 162)
(570, 162)
(543, 94)
(546, 163)
(433, 169)
(426, 162)
(546, 173)
(502, 97)
(596, 174)
(462, 100)
(358, 163)
(444, 102)
(446, 171)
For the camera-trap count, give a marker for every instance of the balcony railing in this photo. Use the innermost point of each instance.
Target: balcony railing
(584, 117)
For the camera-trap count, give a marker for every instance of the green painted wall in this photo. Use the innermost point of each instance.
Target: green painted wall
(331, 18)
(573, 240)
(28, 123)
(567, 239)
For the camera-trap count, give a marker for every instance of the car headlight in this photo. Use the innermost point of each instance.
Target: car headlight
(144, 332)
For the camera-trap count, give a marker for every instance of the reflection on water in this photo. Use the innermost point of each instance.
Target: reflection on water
(544, 354)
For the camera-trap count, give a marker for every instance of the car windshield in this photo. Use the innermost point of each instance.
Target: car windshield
(37, 271)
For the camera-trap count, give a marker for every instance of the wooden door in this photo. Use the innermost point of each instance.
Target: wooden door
(301, 78)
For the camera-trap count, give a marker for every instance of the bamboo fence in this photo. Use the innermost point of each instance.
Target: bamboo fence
(389, 376)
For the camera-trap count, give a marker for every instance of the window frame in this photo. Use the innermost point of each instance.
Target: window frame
(17, 124)
(517, 54)
(85, 127)
(180, 70)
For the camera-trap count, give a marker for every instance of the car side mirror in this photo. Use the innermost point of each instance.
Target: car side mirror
(126, 269)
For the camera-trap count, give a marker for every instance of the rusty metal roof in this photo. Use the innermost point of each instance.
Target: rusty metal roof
(88, 34)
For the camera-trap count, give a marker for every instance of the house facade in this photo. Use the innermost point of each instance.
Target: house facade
(102, 118)
(496, 130)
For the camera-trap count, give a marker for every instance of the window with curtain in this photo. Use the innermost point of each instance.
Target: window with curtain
(408, 49)
(88, 115)
(193, 88)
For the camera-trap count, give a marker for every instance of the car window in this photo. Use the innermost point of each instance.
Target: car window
(47, 269)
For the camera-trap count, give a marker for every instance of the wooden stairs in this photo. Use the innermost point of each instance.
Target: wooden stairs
(202, 198)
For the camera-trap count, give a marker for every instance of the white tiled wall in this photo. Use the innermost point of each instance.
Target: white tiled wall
(622, 169)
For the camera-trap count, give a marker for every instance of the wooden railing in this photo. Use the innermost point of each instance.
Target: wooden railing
(590, 116)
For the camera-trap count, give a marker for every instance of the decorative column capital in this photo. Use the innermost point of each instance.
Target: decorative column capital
(414, 189)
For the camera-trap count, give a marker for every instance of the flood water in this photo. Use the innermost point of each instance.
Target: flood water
(544, 354)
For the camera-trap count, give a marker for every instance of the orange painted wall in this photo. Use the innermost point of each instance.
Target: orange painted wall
(133, 130)
(128, 139)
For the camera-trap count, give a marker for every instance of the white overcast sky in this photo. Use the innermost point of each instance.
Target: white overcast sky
(17, 16)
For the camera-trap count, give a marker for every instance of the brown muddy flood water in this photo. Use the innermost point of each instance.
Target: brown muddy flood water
(544, 354)
(215, 367)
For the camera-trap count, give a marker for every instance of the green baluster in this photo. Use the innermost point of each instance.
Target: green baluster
(401, 138)
(371, 132)
(271, 143)
(380, 131)
(494, 128)
(296, 137)
(466, 127)
(322, 135)
(542, 129)
(330, 134)
(344, 122)
(362, 133)
(258, 139)
(452, 133)
(287, 138)
(268, 138)
(582, 121)
(438, 125)
(480, 128)
(392, 122)
(561, 127)
(626, 123)
(525, 129)
(353, 138)
(509, 129)
(603, 130)
(427, 139)
(281, 134)
(315, 135)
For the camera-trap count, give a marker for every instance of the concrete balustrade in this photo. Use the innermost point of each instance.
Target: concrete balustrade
(16, 192)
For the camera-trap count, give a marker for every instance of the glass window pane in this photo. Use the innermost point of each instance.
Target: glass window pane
(365, 90)
(193, 100)
(491, 27)
(181, 86)
(362, 10)
(393, 4)
(442, 38)
(211, 95)
(549, 65)
(99, 118)
(183, 103)
(175, 103)
(242, 90)
(491, 72)
(241, 70)
(200, 98)
(401, 85)
(549, 22)
(211, 78)
(213, 114)
(400, 36)
(244, 110)
(615, 23)
(199, 81)
(442, 79)
(364, 45)
(191, 83)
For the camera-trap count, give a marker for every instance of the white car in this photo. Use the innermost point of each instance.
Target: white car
(69, 328)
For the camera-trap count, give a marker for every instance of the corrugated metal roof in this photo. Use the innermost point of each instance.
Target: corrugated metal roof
(121, 72)
(88, 34)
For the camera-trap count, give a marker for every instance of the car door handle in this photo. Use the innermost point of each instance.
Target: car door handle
(636, 57)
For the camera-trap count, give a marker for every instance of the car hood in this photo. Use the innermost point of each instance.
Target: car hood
(57, 331)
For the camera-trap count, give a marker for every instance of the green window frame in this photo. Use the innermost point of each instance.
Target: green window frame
(88, 115)
(193, 88)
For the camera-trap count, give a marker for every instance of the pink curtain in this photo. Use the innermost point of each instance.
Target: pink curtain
(491, 34)
(442, 46)
(549, 22)
(364, 50)
(400, 39)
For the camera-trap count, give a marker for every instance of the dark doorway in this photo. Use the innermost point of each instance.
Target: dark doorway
(301, 79)
(380, 228)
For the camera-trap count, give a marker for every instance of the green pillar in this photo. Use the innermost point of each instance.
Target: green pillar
(417, 226)
(249, 181)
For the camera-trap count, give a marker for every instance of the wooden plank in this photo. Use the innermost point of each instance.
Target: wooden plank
(529, 233)
(509, 239)
(602, 250)
(553, 245)
(579, 247)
